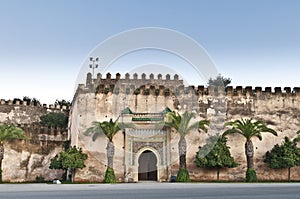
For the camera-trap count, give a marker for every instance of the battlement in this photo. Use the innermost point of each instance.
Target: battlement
(249, 91)
(18, 102)
(175, 86)
(135, 80)
(44, 133)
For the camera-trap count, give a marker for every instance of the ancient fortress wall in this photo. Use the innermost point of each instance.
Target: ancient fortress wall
(104, 98)
(26, 160)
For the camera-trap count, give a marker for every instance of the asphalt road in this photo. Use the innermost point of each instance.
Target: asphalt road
(151, 190)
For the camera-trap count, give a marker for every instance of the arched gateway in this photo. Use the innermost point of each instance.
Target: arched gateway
(147, 148)
(147, 166)
(147, 155)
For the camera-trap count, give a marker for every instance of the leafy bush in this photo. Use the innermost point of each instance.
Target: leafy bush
(286, 155)
(215, 154)
(71, 159)
(54, 120)
(251, 175)
(109, 176)
(183, 176)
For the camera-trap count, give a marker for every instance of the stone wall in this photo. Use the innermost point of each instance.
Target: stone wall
(25, 160)
(103, 98)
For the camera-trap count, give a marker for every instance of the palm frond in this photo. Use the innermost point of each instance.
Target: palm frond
(259, 136)
(229, 132)
(297, 139)
(181, 122)
(193, 126)
(108, 128)
(249, 128)
(202, 124)
(268, 130)
(95, 136)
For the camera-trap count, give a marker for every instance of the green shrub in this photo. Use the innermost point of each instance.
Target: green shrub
(251, 175)
(110, 176)
(54, 120)
(183, 176)
(0, 175)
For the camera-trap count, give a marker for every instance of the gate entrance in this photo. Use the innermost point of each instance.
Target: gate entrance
(147, 166)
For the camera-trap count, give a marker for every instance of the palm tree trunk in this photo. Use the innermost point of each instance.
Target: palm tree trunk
(69, 175)
(1, 152)
(182, 152)
(110, 154)
(289, 174)
(73, 175)
(1, 158)
(249, 151)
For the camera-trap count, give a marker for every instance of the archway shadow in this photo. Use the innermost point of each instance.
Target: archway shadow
(147, 166)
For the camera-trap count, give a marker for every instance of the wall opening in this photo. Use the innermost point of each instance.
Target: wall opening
(147, 166)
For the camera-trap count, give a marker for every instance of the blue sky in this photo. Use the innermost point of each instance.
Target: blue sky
(44, 43)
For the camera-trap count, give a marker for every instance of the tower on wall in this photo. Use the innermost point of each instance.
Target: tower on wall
(143, 150)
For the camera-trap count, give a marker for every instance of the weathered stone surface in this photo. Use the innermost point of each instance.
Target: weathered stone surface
(280, 110)
(26, 166)
(102, 99)
(26, 160)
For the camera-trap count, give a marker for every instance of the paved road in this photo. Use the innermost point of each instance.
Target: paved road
(150, 190)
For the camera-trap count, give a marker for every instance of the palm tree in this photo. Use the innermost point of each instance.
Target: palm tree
(7, 133)
(297, 139)
(109, 129)
(181, 123)
(248, 128)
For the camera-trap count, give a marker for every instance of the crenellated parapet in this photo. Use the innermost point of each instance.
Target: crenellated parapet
(158, 85)
(127, 84)
(43, 133)
(259, 91)
(133, 80)
(18, 102)
(21, 112)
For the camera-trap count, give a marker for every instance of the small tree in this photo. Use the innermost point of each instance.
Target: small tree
(109, 129)
(71, 159)
(248, 128)
(7, 133)
(286, 155)
(54, 120)
(183, 126)
(219, 81)
(217, 156)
